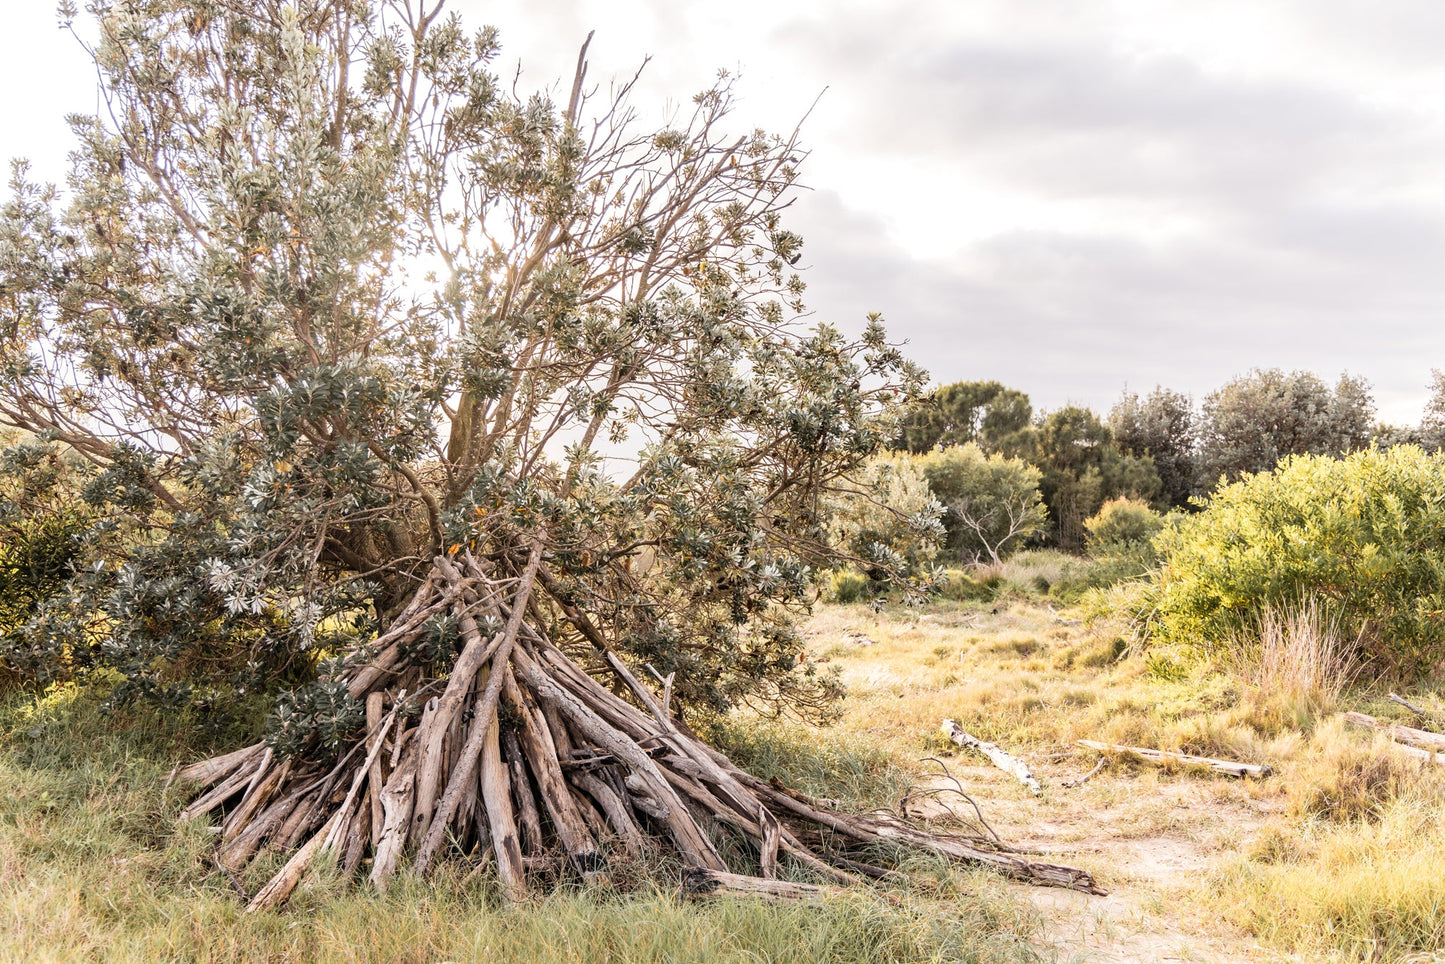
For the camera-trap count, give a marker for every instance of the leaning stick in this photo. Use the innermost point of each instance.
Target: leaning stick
(999, 757)
(1228, 767)
(1418, 711)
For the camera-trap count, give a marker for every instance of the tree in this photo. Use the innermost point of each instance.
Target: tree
(991, 503)
(1432, 423)
(891, 520)
(333, 461)
(1258, 418)
(1162, 426)
(1083, 468)
(986, 413)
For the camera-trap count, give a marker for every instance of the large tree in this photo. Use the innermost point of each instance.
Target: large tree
(1256, 419)
(1163, 426)
(347, 328)
(989, 414)
(1082, 469)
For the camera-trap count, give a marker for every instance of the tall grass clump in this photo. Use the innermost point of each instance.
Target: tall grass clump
(1365, 531)
(1297, 656)
(1351, 870)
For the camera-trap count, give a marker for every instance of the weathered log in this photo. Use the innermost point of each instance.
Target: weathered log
(1418, 711)
(1000, 758)
(1421, 739)
(1228, 767)
(698, 882)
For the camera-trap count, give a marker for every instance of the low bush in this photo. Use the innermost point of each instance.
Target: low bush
(1120, 524)
(847, 586)
(1363, 534)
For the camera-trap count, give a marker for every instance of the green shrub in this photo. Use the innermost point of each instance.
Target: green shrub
(992, 503)
(847, 586)
(1120, 523)
(1364, 533)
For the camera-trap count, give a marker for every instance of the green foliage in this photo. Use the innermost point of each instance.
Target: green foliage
(991, 503)
(847, 586)
(286, 421)
(1432, 423)
(1259, 418)
(891, 521)
(1162, 426)
(319, 714)
(1082, 469)
(1364, 533)
(45, 527)
(1121, 523)
(988, 414)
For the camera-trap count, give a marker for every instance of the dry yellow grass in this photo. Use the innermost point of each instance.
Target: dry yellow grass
(1336, 856)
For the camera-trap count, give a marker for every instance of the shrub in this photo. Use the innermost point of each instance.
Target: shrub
(1122, 523)
(847, 586)
(891, 520)
(1365, 534)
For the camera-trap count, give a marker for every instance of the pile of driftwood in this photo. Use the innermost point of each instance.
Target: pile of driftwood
(522, 757)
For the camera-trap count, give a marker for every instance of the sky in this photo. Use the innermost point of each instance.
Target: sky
(1073, 198)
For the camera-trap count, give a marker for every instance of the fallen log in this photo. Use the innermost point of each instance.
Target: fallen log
(1397, 698)
(1408, 735)
(700, 882)
(1227, 767)
(997, 755)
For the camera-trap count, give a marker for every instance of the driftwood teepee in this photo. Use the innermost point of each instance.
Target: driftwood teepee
(523, 757)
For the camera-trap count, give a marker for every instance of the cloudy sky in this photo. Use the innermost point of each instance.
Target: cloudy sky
(1067, 197)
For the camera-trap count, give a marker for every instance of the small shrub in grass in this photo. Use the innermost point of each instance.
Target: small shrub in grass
(847, 586)
(1366, 531)
(1120, 523)
(959, 586)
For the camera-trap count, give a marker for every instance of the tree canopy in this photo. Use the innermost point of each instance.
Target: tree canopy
(325, 299)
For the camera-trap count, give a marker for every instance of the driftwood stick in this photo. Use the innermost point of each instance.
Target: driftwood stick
(529, 818)
(997, 755)
(210, 772)
(486, 711)
(286, 879)
(1418, 711)
(1088, 776)
(1228, 767)
(698, 882)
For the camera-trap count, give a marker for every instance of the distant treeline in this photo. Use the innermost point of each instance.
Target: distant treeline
(1162, 447)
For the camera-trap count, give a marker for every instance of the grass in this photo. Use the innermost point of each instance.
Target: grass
(94, 867)
(1334, 858)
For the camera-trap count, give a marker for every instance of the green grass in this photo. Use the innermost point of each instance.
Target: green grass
(94, 867)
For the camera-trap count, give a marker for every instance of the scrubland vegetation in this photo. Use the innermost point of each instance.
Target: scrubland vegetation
(261, 489)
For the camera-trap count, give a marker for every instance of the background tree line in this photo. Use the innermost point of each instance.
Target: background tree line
(1060, 467)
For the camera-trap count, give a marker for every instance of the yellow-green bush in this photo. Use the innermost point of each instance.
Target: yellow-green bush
(1365, 532)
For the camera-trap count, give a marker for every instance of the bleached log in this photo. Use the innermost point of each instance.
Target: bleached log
(1229, 767)
(1000, 757)
(1423, 740)
(698, 882)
